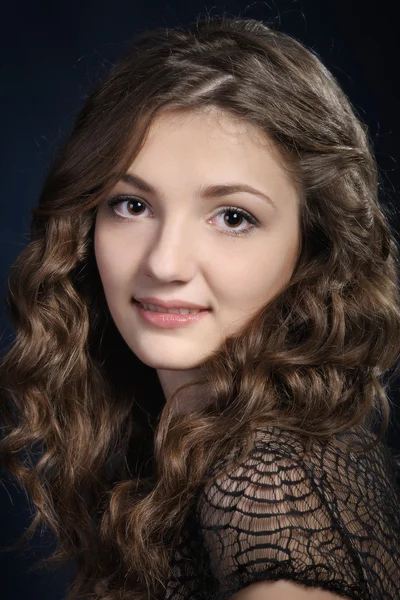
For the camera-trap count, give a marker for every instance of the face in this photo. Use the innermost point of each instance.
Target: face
(176, 242)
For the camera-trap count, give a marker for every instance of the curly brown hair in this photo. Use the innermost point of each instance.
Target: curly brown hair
(110, 468)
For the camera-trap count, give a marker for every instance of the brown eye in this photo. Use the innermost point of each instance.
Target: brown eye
(234, 216)
(135, 206)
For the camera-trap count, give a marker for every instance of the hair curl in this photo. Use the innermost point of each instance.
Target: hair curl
(117, 471)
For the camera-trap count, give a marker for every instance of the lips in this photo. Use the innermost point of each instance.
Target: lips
(173, 311)
(176, 303)
(165, 320)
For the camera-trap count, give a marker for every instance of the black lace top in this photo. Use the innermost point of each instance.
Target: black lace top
(330, 519)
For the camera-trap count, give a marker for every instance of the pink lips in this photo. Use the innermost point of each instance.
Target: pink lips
(176, 303)
(169, 320)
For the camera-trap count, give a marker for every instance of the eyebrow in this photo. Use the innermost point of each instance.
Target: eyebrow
(209, 191)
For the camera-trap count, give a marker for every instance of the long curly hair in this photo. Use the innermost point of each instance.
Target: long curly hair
(86, 429)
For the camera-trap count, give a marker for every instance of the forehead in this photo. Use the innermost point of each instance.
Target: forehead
(209, 143)
(215, 122)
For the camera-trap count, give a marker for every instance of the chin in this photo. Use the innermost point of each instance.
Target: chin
(167, 365)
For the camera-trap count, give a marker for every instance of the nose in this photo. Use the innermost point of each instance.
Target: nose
(170, 255)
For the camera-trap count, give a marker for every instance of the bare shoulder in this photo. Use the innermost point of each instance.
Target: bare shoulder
(284, 590)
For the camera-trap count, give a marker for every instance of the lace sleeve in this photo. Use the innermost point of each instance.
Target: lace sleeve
(330, 521)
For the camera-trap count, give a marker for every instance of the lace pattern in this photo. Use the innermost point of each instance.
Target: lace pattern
(329, 519)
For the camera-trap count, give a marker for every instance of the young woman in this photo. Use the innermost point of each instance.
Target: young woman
(229, 451)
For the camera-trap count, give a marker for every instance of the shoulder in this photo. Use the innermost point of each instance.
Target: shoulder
(323, 517)
(279, 469)
(284, 590)
(273, 478)
(280, 455)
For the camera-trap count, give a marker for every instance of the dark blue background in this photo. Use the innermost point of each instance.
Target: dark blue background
(53, 53)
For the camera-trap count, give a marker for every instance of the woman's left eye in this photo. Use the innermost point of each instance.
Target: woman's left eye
(238, 215)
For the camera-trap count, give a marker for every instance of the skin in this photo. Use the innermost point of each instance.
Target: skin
(284, 590)
(177, 246)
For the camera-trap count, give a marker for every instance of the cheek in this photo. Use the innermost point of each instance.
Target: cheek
(102, 255)
(109, 258)
(246, 283)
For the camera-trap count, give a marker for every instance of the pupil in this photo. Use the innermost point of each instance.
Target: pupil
(132, 202)
(233, 214)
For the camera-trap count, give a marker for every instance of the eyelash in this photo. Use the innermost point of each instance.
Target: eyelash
(247, 216)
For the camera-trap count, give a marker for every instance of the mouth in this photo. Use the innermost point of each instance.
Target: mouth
(161, 309)
(169, 318)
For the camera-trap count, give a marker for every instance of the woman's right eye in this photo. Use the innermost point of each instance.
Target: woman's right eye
(137, 205)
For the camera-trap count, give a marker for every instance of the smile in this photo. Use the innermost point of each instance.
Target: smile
(165, 318)
(182, 311)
